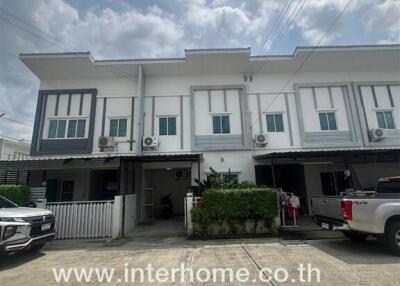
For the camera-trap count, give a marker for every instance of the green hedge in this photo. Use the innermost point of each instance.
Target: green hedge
(235, 206)
(16, 193)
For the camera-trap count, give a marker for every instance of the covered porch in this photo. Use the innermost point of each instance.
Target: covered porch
(78, 186)
(325, 172)
(156, 177)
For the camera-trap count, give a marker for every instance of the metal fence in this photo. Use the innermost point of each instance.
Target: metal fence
(87, 219)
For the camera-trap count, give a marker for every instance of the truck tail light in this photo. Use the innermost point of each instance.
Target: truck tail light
(347, 208)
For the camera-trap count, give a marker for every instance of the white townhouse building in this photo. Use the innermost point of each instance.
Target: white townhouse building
(302, 122)
(13, 149)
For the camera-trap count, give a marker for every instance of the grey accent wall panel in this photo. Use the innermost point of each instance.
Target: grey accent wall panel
(228, 141)
(42, 146)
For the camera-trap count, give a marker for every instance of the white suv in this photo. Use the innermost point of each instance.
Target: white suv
(24, 228)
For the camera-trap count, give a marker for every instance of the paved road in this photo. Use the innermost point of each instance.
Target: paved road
(340, 262)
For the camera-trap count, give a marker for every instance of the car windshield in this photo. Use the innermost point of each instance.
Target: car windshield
(6, 204)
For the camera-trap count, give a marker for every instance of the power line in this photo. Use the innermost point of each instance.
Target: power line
(281, 31)
(31, 33)
(296, 11)
(16, 115)
(281, 16)
(16, 121)
(306, 59)
(109, 69)
(36, 28)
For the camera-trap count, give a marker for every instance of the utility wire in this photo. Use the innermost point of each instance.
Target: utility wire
(342, 11)
(298, 9)
(109, 69)
(277, 32)
(281, 16)
(15, 115)
(281, 31)
(36, 28)
(31, 33)
(16, 121)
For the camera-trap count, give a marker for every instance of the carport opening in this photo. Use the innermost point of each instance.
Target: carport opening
(157, 185)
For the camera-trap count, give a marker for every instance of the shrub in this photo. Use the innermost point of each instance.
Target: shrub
(16, 193)
(235, 205)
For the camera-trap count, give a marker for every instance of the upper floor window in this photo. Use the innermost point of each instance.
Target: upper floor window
(76, 128)
(118, 127)
(275, 122)
(58, 128)
(167, 126)
(327, 121)
(221, 124)
(385, 119)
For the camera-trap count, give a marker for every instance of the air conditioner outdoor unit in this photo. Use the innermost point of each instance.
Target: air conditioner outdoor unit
(377, 134)
(106, 142)
(150, 141)
(261, 139)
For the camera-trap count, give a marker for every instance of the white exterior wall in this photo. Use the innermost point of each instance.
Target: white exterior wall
(119, 93)
(164, 95)
(13, 150)
(238, 162)
(383, 101)
(167, 91)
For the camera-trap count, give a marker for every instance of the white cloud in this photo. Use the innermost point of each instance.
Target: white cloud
(386, 19)
(107, 33)
(317, 17)
(131, 33)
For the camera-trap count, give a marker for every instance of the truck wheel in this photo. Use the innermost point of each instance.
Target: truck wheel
(392, 238)
(355, 236)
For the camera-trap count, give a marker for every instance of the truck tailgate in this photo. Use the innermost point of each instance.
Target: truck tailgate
(329, 207)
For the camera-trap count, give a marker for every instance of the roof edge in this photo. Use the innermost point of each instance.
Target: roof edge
(247, 50)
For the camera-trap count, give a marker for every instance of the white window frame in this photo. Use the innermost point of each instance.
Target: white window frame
(334, 111)
(392, 110)
(119, 118)
(168, 116)
(220, 114)
(67, 119)
(274, 113)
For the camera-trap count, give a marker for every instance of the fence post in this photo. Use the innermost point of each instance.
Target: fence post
(189, 206)
(277, 219)
(117, 217)
(41, 203)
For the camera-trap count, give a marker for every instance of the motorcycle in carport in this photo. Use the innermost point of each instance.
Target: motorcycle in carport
(166, 207)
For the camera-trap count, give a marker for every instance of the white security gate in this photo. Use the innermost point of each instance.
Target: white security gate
(89, 219)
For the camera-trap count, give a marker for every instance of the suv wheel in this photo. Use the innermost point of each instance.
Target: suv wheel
(355, 236)
(392, 236)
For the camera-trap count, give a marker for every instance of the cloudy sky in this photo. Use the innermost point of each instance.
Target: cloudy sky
(164, 28)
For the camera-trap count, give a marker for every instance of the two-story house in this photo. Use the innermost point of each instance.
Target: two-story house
(313, 123)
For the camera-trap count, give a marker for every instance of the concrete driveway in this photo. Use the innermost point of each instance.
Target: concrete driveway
(339, 261)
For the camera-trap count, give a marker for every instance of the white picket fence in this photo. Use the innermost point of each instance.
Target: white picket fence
(88, 219)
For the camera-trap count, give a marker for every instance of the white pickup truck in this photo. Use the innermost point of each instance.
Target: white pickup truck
(361, 214)
(22, 228)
